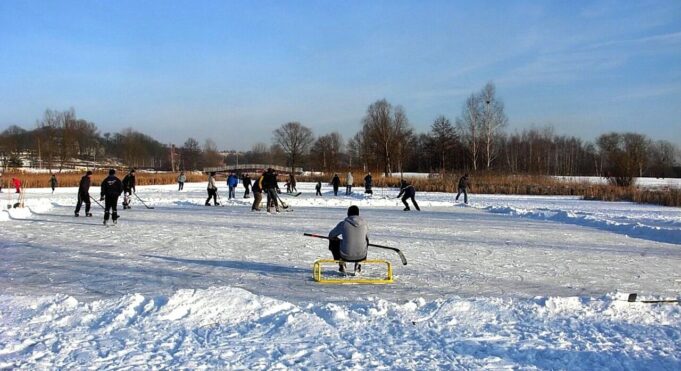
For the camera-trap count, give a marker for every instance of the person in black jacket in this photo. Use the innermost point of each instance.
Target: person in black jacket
(409, 192)
(270, 186)
(335, 182)
(463, 185)
(128, 188)
(111, 190)
(257, 192)
(84, 194)
(368, 183)
(246, 180)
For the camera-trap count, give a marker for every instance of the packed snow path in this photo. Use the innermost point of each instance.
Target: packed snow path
(226, 280)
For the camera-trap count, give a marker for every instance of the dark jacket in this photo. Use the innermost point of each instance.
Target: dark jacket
(84, 186)
(368, 181)
(111, 187)
(407, 189)
(335, 181)
(269, 181)
(463, 182)
(246, 181)
(129, 183)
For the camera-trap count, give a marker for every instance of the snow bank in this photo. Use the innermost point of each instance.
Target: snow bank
(227, 327)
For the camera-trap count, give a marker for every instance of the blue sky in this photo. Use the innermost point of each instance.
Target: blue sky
(234, 71)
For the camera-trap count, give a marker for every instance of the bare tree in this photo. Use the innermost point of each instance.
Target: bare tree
(294, 139)
(191, 154)
(326, 151)
(386, 129)
(211, 156)
(493, 120)
(470, 124)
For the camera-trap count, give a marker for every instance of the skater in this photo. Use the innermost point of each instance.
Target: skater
(17, 184)
(111, 190)
(348, 183)
(368, 183)
(409, 192)
(180, 181)
(355, 242)
(292, 182)
(246, 180)
(84, 194)
(53, 182)
(270, 187)
(128, 188)
(257, 192)
(463, 185)
(288, 186)
(318, 188)
(212, 190)
(232, 182)
(335, 182)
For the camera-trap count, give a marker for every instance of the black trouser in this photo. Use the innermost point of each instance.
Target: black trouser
(272, 199)
(348, 189)
(83, 198)
(465, 195)
(248, 191)
(335, 190)
(181, 185)
(214, 194)
(319, 192)
(110, 203)
(368, 190)
(408, 196)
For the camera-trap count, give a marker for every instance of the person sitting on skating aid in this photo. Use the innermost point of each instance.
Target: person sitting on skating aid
(111, 190)
(409, 192)
(354, 244)
(128, 188)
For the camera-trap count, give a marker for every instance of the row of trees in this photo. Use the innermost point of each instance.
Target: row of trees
(385, 142)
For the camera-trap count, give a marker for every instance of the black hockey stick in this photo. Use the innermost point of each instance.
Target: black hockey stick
(145, 205)
(402, 257)
(283, 204)
(632, 299)
(97, 202)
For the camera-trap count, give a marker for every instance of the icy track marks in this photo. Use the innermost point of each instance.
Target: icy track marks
(229, 327)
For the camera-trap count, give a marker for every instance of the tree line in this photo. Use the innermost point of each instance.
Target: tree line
(386, 142)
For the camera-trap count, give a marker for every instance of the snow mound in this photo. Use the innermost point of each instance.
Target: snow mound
(228, 327)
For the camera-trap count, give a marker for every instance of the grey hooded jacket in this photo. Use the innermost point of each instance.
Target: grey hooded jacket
(355, 241)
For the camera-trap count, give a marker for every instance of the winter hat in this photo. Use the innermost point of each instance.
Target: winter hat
(112, 172)
(88, 172)
(353, 210)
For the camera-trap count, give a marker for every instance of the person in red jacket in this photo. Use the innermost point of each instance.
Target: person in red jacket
(17, 184)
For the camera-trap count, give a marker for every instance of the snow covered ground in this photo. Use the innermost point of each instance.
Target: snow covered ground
(507, 282)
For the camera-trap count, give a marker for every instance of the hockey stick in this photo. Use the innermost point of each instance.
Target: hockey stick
(283, 204)
(632, 299)
(402, 257)
(145, 205)
(100, 205)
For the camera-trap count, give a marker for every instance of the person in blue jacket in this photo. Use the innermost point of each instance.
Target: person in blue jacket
(232, 182)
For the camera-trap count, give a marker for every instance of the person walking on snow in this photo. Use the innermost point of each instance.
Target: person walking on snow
(318, 188)
(368, 183)
(53, 182)
(84, 194)
(270, 187)
(354, 245)
(348, 183)
(111, 190)
(17, 184)
(463, 185)
(292, 182)
(128, 188)
(335, 182)
(409, 192)
(232, 182)
(212, 190)
(257, 192)
(246, 180)
(180, 181)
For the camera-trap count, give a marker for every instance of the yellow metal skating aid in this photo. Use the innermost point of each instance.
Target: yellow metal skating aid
(351, 279)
